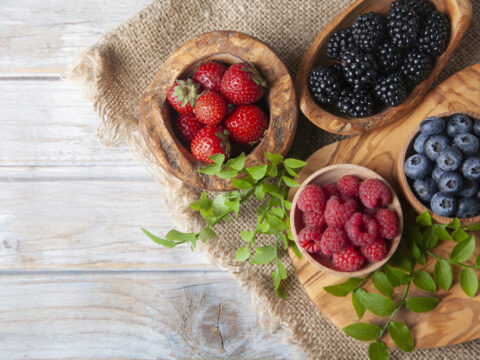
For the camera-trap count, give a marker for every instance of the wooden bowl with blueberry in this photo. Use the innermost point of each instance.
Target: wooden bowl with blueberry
(222, 92)
(439, 167)
(375, 62)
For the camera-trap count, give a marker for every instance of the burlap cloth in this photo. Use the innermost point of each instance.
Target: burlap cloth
(116, 71)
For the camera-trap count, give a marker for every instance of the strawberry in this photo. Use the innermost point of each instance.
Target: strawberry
(242, 84)
(182, 96)
(209, 141)
(209, 75)
(210, 108)
(246, 124)
(187, 126)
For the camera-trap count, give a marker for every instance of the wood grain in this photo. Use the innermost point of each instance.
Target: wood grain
(459, 12)
(453, 320)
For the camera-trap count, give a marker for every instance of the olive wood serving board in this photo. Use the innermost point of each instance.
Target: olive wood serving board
(456, 318)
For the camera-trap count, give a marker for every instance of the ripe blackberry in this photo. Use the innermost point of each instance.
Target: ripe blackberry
(423, 8)
(359, 68)
(338, 42)
(391, 90)
(324, 84)
(389, 57)
(403, 27)
(433, 39)
(416, 67)
(368, 30)
(356, 103)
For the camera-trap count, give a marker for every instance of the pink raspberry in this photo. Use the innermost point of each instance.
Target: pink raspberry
(361, 229)
(309, 238)
(330, 190)
(348, 259)
(333, 240)
(374, 193)
(348, 185)
(314, 219)
(339, 210)
(376, 251)
(387, 223)
(311, 199)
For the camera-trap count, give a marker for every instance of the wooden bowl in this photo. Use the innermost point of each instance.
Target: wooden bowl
(226, 47)
(331, 174)
(459, 12)
(406, 151)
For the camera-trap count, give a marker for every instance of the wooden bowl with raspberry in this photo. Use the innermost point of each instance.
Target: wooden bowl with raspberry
(346, 220)
(220, 92)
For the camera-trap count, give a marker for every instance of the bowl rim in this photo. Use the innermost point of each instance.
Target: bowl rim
(394, 203)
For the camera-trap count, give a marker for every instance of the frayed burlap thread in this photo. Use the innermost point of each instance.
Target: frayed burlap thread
(114, 73)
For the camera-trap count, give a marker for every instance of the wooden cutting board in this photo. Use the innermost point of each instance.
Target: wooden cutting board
(456, 318)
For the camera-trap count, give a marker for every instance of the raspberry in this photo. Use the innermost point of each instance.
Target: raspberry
(312, 198)
(338, 211)
(333, 240)
(374, 193)
(361, 229)
(375, 251)
(330, 190)
(388, 223)
(309, 238)
(348, 185)
(348, 259)
(314, 219)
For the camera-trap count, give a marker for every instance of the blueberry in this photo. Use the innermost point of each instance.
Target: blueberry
(419, 142)
(467, 143)
(450, 159)
(432, 125)
(450, 183)
(436, 173)
(444, 204)
(468, 207)
(471, 168)
(470, 188)
(425, 189)
(418, 167)
(434, 145)
(459, 123)
(476, 127)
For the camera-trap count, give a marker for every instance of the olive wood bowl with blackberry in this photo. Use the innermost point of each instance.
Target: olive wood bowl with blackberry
(404, 183)
(227, 47)
(459, 12)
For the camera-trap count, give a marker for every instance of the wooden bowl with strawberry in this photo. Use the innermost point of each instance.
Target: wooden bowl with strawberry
(220, 92)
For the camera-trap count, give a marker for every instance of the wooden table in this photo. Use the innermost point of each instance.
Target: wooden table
(78, 279)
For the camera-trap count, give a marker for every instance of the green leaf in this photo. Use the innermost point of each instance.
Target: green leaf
(443, 274)
(291, 172)
(274, 158)
(246, 235)
(422, 260)
(293, 245)
(211, 169)
(257, 172)
(260, 192)
(400, 260)
(263, 255)
(414, 235)
(441, 232)
(463, 250)
(242, 254)
(287, 204)
(469, 282)
(217, 158)
(160, 241)
(422, 304)
(264, 228)
(344, 288)
(362, 331)
(424, 281)
(281, 293)
(237, 163)
(460, 235)
(415, 251)
(203, 203)
(277, 212)
(218, 205)
(174, 235)
(400, 334)
(283, 239)
(272, 170)
(378, 304)
(281, 270)
(378, 351)
(455, 223)
(474, 227)
(241, 184)
(207, 234)
(227, 174)
(429, 238)
(289, 182)
(295, 163)
(381, 283)
(358, 303)
(273, 190)
(276, 223)
(424, 219)
(396, 276)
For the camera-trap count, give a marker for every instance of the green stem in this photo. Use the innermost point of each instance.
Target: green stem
(453, 261)
(364, 281)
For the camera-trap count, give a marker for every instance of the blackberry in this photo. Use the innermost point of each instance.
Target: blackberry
(338, 42)
(324, 84)
(389, 57)
(368, 30)
(356, 103)
(403, 27)
(391, 90)
(423, 8)
(435, 34)
(359, 68)
(416, 67)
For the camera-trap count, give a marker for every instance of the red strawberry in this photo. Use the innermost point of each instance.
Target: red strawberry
(246, 124)
(209, 75)
(242, 84)
(210, 108)
(209, 141)
(187, 126)
(182, 96)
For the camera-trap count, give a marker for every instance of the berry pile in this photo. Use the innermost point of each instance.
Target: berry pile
(347, 222)
(380, 59)
(218, 109)
(444, 169)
